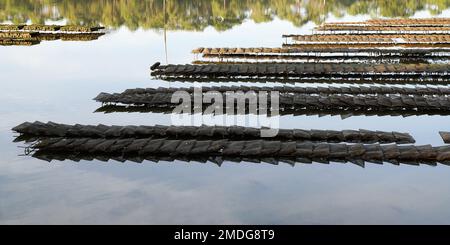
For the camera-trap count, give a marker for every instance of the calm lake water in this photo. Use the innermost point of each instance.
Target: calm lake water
(56, 81)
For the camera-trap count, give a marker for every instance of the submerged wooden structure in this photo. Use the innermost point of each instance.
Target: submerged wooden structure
(295, 100)
(376, 41)
(12, 42)
(219, 151)
(18, 35)
(353, 90)
(367, 45)
(387, 29)
(34, 34)
(416, 81)
(343, 113)
(49, 28)
(159, 142)
(50, 141)
(218, 160)
(304, 70)
(389, 25)
(398, 22)
(387, 38)
(345, 101)
(317, 51)
(445, 136)
(349, 54)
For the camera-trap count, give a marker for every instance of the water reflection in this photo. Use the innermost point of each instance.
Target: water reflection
(92, 192)
(217, 160)
(28, 35)
(199, 14)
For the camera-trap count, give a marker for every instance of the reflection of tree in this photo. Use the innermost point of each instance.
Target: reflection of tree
(397, 8)
(199, 14)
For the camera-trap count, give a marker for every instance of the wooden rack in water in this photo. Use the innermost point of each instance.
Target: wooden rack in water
(389, 26)
(319, 60)
(30, 38)
(344, 113)
(385, 29)
(368, 55)
(388, 38)
(49, 28)
(292, 99)
(225, 142)
(42, 130)
(440, 71)
(312, 51)
(71, 37)
(323, 57)
(35, 36)
(51, 141)
(395, 22)
(347, 101)
(12, 42)
(18, 35)
(366, 45)
(276, 55)
(50, 156)
(315, 80)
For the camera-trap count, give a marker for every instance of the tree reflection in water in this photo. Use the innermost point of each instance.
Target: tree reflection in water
(199, 14)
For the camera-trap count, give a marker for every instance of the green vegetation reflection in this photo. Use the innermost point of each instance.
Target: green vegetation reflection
(199, 14)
